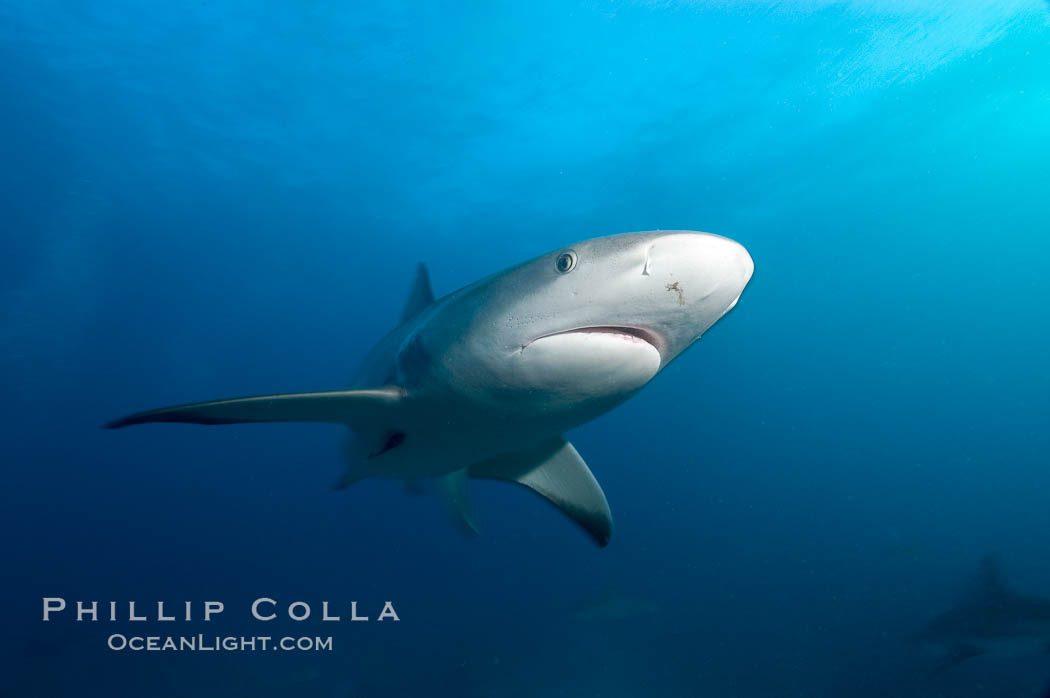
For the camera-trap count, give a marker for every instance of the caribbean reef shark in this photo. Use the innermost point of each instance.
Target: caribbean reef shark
(483, 382)
(993, 621)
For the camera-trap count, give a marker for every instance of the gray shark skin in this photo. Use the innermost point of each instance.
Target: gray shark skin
(483, 382)
(994, 621)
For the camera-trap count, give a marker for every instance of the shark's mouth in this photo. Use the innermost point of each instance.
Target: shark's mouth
(627, 334)
(586, 363)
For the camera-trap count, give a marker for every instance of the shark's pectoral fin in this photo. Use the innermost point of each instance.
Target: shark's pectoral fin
(350, 407)
(454, 491)
(554, 470)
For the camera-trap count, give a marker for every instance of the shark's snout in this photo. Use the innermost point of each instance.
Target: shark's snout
(696, 278)
(744, 270)
(709, 263)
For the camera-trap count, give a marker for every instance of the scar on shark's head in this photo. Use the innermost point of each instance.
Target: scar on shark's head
(677, 289)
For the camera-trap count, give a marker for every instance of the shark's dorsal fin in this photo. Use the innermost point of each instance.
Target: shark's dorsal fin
(420, 296)
(350, 407)
(554, 470)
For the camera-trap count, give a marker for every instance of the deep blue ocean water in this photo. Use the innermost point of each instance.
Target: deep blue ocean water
(220, 197)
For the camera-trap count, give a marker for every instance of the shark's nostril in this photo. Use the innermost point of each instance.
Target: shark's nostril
(648, 260)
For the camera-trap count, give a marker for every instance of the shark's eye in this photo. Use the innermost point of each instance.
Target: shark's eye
(565, 262)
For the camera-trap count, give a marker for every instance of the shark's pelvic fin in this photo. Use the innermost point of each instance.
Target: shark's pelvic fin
(419, 296)
(350, 407)
(454, 490)
(554, 470)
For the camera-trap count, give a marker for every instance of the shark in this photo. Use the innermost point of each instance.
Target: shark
(483, 382)
(993, 621)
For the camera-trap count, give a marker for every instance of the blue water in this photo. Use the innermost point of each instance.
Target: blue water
(223, 197)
